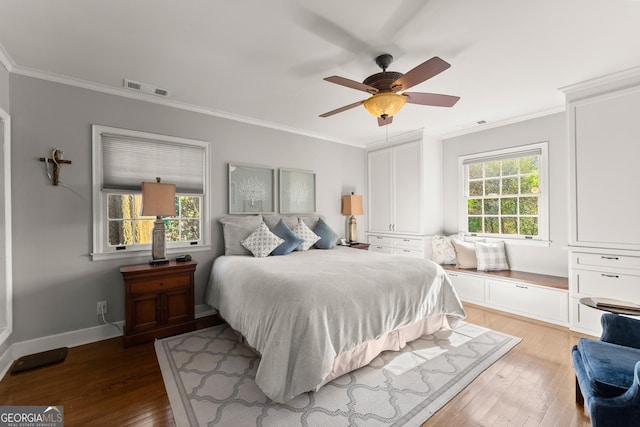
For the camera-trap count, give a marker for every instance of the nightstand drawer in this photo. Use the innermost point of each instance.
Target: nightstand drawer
(162, 284)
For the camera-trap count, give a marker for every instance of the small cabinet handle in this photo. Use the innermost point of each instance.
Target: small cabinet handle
(453, 274)
(521, 287)
(378, 237)
(613, 276)
(615, 258)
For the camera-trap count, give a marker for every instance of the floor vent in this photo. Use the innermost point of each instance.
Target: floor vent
(145, 88)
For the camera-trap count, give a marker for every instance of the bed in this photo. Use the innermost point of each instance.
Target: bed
(315, 315)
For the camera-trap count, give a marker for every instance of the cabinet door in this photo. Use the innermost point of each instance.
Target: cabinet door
(407, 188)
(605, 155)
(146, 313)
(176, 306)
(379, 209)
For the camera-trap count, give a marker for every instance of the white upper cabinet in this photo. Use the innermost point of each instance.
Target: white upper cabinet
(396, 189)
(604, 143)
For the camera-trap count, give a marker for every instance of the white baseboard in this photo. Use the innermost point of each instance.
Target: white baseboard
(73, 339)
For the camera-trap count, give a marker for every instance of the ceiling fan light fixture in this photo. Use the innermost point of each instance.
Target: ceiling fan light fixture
(385, 104)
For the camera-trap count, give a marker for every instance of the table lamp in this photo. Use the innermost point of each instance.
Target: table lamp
(352, 205)
(158, 199)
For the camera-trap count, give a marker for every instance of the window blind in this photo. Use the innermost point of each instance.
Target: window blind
(128, 161)
(512, 155)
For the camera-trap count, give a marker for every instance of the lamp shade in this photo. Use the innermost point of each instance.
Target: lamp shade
(158, 199)
(352, 205)
(385, 104)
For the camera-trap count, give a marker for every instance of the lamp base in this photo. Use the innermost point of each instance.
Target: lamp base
(353, 230)
(158, 261)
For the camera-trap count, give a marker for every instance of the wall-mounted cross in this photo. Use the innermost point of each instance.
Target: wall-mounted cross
(57, 161)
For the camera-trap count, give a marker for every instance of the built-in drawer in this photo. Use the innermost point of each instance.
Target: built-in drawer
(381, 249)
(585, 319)
(609, 261)
(609, 284)
(538, 302)
(380, 240)
(469, 288)
(409, 252)
(407, 243)
(156, 285)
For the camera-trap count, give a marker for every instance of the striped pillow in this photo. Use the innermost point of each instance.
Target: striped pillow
(491, 256)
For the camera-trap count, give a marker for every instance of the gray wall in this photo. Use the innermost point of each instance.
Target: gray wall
(56, 285)
(552, 128)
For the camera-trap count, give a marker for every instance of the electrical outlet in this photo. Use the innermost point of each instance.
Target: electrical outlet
(102, 307)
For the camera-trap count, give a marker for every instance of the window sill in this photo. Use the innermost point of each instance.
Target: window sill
(104, 256)
(510, 242)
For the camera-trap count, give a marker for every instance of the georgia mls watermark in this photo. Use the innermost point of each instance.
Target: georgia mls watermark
(31, 416)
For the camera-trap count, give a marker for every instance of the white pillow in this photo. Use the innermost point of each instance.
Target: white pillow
(442, 249)
(305, 233)
(491, 256)
(262, 241)
(465, 254)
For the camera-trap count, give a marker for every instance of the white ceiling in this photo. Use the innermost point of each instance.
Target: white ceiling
(264, 61)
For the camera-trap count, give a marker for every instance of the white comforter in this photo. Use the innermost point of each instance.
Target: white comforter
(301, 310)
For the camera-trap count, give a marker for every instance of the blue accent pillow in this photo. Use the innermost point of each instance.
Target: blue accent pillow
(291, 241)
(328, 237)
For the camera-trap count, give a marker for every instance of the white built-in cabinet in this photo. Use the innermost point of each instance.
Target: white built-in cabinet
(404, 197)
(604, 237)
(395, 185)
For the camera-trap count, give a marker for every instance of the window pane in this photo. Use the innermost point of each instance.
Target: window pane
(529, 226)
(119, 206)
(510, 167)
(510, 186)
(509, 206)
(529, 164)
(491, 225)
(492, 187)
(474, 207)
(475, 224)
(528, 206)
(491, 206)
(475, 170)
(120, 233)
(189, 207)
(190, 229)
(143, 231)
(476, 188)
(492, 168)
(529, 184)
(172, 227)
(509, 225)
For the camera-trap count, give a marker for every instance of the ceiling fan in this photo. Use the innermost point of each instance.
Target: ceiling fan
(387, 89)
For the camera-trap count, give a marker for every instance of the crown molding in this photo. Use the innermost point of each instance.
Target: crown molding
(6, 60)
(510, 121)
(85, 84)
(630, 76)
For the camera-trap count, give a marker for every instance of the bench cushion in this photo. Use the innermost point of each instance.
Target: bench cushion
(609, 367)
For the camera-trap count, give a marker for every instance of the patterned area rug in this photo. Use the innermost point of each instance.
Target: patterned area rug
(209, 377)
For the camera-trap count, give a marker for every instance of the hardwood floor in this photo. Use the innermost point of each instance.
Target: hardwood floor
(104, 384)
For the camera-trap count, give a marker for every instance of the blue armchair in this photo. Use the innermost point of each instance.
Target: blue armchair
(608, 373)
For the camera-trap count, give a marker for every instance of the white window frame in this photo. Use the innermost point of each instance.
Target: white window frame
(101, 249)
(542, 239)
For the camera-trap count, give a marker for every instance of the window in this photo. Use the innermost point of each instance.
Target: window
(122, 159)
(505, 193)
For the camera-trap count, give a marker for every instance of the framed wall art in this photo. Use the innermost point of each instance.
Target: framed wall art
(297, 191)
(251, 189)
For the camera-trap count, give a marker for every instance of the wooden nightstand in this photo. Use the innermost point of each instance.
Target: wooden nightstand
(159, 300)
(364, 246)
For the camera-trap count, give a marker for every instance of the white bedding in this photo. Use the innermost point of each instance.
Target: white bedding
(301, 310)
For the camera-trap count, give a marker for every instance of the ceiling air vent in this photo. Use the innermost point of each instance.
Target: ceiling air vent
(145, 88)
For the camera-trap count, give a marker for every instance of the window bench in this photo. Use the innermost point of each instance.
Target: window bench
(538, 296)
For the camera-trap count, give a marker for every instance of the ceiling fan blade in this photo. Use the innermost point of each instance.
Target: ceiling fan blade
(341, 109)
(343, 81)
(422, 72)
(434, 99)
(384, 122)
